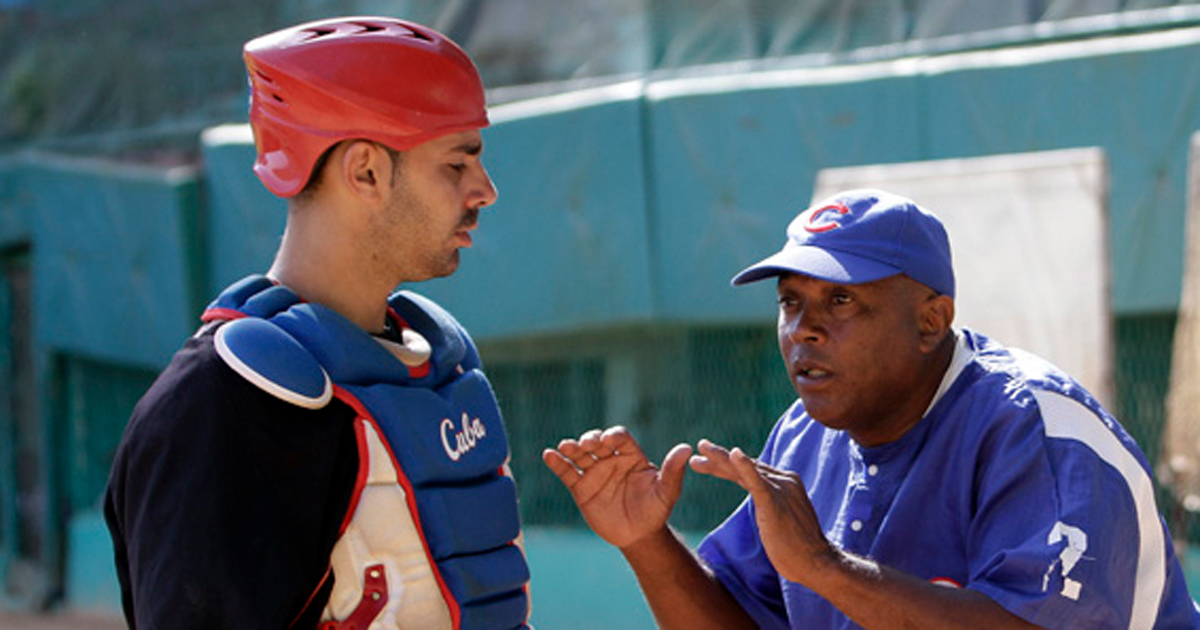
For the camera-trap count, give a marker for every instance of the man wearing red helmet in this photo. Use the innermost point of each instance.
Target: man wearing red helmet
(321, 453)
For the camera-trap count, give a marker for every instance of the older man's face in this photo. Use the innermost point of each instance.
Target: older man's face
(854, 353)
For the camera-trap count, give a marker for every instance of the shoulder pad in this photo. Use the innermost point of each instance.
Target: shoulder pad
(269, 357)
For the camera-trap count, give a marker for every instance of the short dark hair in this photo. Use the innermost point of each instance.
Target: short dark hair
(318, 170)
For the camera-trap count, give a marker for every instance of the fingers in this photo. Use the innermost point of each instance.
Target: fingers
(590, 441)
(596, 445)
(573, 457)
(562, 467)
(617, 441)
(749, 475)
(714, 459)
(581, 453)
(735, 466)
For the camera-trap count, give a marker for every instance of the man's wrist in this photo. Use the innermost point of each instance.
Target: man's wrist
(837, 571)
(832, 569)
(654, 542)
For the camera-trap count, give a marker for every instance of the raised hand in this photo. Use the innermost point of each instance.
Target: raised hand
(787, 523)
(622, 495)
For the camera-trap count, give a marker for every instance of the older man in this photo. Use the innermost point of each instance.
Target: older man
(926, 477)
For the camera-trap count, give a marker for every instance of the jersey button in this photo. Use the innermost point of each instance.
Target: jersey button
(872, 470)
(856, 525)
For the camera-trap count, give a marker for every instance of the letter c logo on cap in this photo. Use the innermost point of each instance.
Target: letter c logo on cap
(819, 221)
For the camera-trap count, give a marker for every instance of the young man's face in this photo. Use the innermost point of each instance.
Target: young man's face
(441, 186)
(853, 353)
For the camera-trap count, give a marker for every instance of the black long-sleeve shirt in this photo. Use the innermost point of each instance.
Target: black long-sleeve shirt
(224, 502)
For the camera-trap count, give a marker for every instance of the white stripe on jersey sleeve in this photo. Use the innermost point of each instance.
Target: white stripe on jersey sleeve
(1065, 418)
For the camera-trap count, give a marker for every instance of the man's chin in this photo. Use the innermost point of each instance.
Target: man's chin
(443, 270)
(823, 413)
(447, 268)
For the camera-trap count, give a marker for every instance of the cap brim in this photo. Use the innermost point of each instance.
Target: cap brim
(827, 265)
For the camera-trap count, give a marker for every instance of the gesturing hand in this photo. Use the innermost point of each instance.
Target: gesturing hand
(622, 495)
(787, 523)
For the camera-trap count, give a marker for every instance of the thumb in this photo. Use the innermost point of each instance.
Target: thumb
(673, 470)
(746, 469)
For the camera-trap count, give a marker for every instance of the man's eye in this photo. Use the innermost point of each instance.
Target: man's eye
(841, 299)
(458, 167)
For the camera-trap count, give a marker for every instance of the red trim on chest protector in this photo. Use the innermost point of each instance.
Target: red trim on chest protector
(364, 461)
(374, 598)
(420, 371)
(410, 497)
(214, 314)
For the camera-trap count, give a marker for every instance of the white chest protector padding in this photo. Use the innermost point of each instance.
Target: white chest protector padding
(376, 535)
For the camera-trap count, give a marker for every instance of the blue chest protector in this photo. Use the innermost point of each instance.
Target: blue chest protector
(441, 422)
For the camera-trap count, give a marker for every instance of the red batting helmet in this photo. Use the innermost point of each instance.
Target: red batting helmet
(383, 79)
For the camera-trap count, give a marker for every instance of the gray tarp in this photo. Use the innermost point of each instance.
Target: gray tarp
(77, 67)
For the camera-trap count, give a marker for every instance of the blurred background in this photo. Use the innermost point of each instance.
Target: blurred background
(645, 151)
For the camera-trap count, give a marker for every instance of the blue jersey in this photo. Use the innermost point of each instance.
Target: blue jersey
(1016, 483)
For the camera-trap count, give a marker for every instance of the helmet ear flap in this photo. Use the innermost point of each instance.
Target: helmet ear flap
(285, 161)
(394, 82)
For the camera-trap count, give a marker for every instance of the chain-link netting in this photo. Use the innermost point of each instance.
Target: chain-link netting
(667, 384)
(672, 384)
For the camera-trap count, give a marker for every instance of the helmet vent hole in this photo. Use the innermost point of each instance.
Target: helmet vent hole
(320, 32)
(419, 35)
(368, 28)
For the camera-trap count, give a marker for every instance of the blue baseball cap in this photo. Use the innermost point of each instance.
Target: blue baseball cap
(859, 236)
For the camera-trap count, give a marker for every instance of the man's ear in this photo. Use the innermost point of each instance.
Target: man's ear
(365, 169)
(935, 318)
